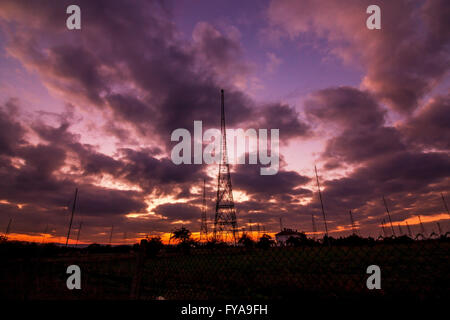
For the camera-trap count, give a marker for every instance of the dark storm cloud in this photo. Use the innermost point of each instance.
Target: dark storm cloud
(11, 131)
(164, 83)
(178, 211)
(360, 125)
(387, 158)
(285, 118)
(403, 61)
(430, 128)
(247, 178)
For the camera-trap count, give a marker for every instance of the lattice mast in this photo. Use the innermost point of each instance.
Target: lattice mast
(204, 222)
(225, 223)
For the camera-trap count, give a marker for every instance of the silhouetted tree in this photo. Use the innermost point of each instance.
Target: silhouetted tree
(246, 241)
(153, 246)
(265, 242)
(181, 235)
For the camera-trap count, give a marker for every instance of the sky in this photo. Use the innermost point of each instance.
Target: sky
(94, 109)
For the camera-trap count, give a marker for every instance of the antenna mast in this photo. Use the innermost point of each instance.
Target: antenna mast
(321, 202)
(389, 215)
(71, 217)
(225, 217)
(421, 226)
(409, 229)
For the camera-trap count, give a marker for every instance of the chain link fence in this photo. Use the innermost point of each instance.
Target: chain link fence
(409, 268)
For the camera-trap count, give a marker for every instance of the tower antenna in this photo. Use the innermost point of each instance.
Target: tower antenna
(71, 217)
(281, 224)
(389, 215)
(321, 202)
(225, 216)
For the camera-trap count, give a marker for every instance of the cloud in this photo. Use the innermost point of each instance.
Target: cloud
(403, 61)
(429, 128)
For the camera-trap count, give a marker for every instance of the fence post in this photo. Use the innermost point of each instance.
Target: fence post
(139, 271)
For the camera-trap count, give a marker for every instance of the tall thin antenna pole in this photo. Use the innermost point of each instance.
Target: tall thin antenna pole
(400, 229)
(439, 228)
(71, 217)
(78, 235)
(281, 223)
(353, 222)
(421, 226)
(445, 203)
(111, 234)
(321, 202)
(382, 227)
(409, 229)
(8, 227)
(389, 215)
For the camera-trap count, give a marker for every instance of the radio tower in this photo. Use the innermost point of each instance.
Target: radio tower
(225, 217)
(204, 224)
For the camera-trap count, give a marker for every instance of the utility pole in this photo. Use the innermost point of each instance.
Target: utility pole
(389, 215)
(71, 217)
(321, 202)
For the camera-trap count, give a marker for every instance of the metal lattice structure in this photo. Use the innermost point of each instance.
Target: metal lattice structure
(204, 222)
(225, 224)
